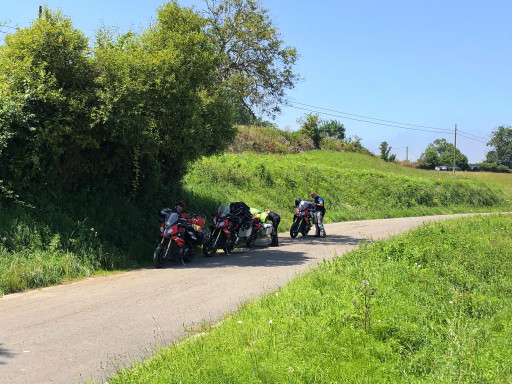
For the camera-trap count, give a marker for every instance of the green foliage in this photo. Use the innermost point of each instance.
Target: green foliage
(46, 90)
(355, 186)
(493, 167)
(333, 129)
(439, 314)
(256, 67)
(269, 139)
(440, 152)
(310, 126)
(385, 149)
(502, 142)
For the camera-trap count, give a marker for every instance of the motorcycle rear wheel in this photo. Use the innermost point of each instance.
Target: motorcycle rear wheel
(294, 230)
(251, 240)
(230, 244)
(189, 253)
(159, 256)
(304, 228)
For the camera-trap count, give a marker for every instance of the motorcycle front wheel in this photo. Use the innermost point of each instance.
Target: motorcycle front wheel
(294, 230)
(159, 256)
(208, 249)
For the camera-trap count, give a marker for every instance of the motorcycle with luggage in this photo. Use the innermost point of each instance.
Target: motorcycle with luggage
(229, 226)
(258, 229)
(180, 235)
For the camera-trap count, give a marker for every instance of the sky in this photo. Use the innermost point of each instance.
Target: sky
(406, 72)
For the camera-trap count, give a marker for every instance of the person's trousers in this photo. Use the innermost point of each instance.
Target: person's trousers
(275, 219)
(319, 222)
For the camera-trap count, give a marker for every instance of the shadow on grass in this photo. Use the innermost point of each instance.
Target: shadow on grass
(4, 353)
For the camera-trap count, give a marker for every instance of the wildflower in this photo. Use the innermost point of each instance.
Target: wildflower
(366, 282)
(277, 293)
(239, 321)
(270, 321)
(451, 302)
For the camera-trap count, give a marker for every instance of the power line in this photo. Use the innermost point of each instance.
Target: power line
(340, 114)
(372, 122)
(372, 118)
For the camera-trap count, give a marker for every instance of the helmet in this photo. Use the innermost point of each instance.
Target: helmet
(297, 201)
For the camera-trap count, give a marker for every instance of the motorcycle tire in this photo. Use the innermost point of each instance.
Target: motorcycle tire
(208, 250)
(189, 253)
(230, 244)
(251, 240)
(294, 230)
(159, 256)
(304, 228)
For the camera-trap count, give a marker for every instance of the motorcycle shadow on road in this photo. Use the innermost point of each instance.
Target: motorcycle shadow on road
(289, 252)
(4, 353)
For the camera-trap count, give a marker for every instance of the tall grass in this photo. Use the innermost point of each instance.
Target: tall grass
(437, 311)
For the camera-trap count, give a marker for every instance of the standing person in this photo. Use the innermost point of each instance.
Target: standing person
(319, 214)
(274, 218)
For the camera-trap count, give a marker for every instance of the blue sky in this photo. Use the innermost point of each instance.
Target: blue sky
(373, 65)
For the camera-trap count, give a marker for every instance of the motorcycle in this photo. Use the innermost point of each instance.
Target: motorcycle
(180, 236)
(258, 228)
(303, 218)
(226, 231)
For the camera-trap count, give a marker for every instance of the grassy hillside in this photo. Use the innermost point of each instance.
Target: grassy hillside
(427, 306)
(354, 186)
(43, 246)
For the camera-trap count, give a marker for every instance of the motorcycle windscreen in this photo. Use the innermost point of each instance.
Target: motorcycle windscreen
(223, 209)
(171, 219)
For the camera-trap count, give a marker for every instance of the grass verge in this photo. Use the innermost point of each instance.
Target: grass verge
(428, 306)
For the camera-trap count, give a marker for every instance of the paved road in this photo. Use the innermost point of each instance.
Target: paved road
(87, 329)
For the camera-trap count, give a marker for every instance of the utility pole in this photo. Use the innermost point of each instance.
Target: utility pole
(406, 153)
(454, 147)
(40, 11)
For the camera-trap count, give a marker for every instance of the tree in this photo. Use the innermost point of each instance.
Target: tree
(255, 66)
(333, 128)
(47, 75)
(310, 126)
(384, 152)
(161, 104)
(440, 152)
(502, 142)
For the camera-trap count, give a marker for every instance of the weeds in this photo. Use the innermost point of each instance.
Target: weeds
(363, 307)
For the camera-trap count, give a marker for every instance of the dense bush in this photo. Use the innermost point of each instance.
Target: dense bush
(493, 167)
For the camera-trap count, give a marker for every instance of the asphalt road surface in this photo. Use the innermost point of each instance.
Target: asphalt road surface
(89, 328)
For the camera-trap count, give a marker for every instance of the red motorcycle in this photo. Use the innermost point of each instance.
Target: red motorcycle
(258, 228)
(226, 231)
(180, 236)
(303, 219)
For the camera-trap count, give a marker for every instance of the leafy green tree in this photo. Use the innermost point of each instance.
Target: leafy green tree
(440, 152)
(333, 128)
(502, 142)
(46, 72)
(310, 126)
(385, 149)
(161, 104)
(255, 65)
